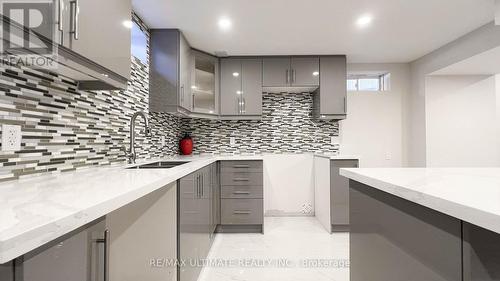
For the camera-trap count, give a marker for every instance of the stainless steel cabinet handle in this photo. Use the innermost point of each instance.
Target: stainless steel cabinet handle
(294, 76)
(202, 186)
(60, 15)
(241, 179)
(75, 14)
(241, 166)
(242, 212)
(60, 20)
(105, 242)
(345, 104)
(244, 104)
(287, 77)
(241, 192)
(193, 100)
(197, 187)
(182, 95)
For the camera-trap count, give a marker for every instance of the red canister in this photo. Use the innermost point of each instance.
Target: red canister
(186, 145)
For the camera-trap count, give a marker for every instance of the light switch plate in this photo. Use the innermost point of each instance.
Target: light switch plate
(232, 140)
(11, 137)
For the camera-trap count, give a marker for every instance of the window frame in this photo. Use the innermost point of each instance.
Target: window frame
(383, 82)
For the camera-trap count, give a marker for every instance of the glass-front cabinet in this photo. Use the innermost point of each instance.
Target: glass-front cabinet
(204, 83)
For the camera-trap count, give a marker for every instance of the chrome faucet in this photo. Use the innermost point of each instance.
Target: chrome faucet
(131, 153)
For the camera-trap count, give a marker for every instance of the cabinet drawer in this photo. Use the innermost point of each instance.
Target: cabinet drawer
(241, 178)
(242, 191)
(242, 211)
(254, 166)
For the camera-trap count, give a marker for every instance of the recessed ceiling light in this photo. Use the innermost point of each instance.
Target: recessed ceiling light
(239, 92)
(194, 87)
(236, 74)
(315, 73)
(127, 23)
(225, 23)
(364, 20)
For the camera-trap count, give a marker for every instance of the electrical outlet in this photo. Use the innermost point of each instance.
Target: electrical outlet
(388, 155)
(11, 137)
(162, 140)
(334, 140)
(232, 141)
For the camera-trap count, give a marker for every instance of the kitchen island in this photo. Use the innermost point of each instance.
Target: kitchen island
(424, 224)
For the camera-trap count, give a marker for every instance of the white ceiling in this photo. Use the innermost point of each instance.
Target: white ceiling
(402, 30)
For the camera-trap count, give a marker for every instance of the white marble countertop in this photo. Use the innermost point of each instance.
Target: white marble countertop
(37, 210)
(337, 156)
(468, 194)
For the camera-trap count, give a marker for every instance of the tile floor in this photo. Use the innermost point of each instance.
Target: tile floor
(291, 249)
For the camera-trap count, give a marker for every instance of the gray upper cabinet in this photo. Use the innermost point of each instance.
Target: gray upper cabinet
(241, 87)
(185, 63)
(339, 194)
(304, 71)
(204, 83)
(251, 85)
(93, 44)
(276, 72)
(196, 219)
(96, 31)
(230, 89)
(330, 99)
(291, 72)
(170, 68)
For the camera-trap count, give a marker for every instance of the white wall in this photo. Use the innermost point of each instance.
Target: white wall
(461, 121)
(288, 185)
(373, 129)
(478, 41)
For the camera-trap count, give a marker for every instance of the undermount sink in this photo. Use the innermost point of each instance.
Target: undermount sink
(160, 165)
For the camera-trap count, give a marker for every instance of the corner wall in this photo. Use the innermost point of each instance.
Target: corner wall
(374, 128)
(461, 113)
(480, 40)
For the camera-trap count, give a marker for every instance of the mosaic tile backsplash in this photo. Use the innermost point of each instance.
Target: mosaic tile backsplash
(287, 126)
(64, 129)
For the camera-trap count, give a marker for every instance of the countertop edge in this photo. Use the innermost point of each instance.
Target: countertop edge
(30, 239)
(465, 213)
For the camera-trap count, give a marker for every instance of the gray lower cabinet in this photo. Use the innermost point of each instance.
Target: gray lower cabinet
(339, 194)
(80, 255)
(481, 250)
(7, 272)
(330, 99)
(240, 88)
(242, 207)
(392, 239)
(242, 211)
(196, 219)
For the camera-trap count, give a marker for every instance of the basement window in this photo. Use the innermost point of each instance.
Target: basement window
(368, 82)
(139, 47)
